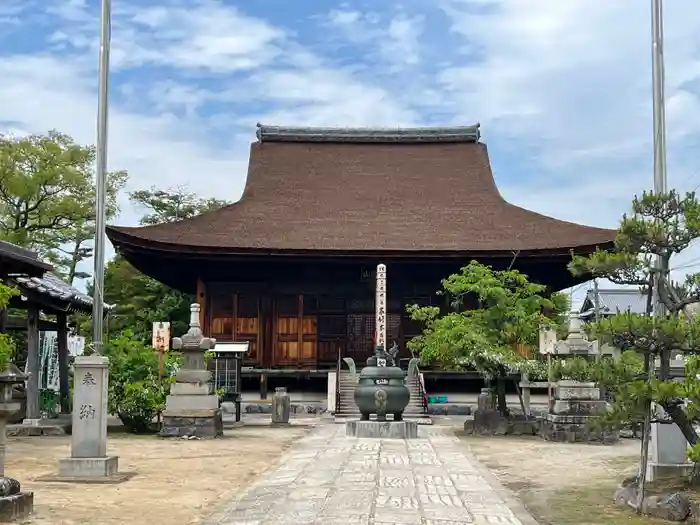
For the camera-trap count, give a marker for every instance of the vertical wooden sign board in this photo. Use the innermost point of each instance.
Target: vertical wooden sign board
(380, 311)
(161, 342)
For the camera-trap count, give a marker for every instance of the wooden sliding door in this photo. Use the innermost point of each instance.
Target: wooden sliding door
(236, 317)
(247, 323)
(294, 332)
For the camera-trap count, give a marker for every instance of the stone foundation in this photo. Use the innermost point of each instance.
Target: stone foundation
(492, 423)
(571, 418)
(88, 470)
(16, 507)
(382, 429)
(577, 433)
(88, 467)
(200, 423)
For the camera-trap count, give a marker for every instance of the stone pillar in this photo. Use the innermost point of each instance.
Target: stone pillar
(89, 460)
(192, 408)
(668, 450)
(15, 505)
(525, 391)
(281, 407)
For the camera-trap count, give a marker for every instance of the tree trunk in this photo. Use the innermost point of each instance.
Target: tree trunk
(681, 419)
(501, 396)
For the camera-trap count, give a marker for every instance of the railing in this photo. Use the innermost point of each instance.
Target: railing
(423, 393)
(414, 370)
(337, 381)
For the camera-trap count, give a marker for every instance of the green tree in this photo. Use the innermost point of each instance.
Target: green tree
(509, 311)
(47, 197)
(659, 227)
(172, 205)
(140, 301)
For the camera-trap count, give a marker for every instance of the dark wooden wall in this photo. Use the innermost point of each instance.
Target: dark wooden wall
(296, 318)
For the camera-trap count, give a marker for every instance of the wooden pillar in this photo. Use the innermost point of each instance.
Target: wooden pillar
(33, 362)
(63, 355)
(3, 311)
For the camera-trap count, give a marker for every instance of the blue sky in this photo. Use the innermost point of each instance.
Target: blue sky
(562, 89)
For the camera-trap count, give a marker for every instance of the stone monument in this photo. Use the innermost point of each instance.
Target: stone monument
(281, 407)
(89, 461)
(381, 389)
(668, 448)
(571, 417)
(575, 404)
(192, 407)
(14, 504)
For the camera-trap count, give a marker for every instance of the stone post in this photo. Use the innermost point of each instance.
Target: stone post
(192, 408)
(281, 407)
(89, 460)
(668, 447)
(14, 504)
(525, 390)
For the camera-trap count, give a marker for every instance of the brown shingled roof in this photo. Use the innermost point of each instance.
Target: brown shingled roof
(427, 190)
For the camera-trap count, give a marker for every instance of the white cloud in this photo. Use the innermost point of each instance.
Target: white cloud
(395, 37)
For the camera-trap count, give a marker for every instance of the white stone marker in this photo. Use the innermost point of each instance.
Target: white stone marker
(668, 447)
(89, 460)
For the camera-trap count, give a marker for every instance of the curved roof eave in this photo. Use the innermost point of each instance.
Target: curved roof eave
(124, 240)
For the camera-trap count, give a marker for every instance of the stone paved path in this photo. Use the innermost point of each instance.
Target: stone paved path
(329, 479)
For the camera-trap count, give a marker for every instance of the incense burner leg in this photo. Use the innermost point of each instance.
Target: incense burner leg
(398, 416)
(364, 417)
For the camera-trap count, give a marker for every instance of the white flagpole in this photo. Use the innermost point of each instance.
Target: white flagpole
(101, 176)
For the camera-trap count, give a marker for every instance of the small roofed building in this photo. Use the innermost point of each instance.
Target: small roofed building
(613, 301)
(43, 296)
(290, 266)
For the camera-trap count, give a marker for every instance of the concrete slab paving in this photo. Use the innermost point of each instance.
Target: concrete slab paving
(328, 479)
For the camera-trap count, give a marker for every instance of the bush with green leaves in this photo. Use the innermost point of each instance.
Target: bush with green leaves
(7, 345)
(136, 394)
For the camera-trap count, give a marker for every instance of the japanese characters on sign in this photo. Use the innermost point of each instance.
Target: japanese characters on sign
(380, 306)
(548, 339)
(89, 379)
(161, 336)
(87, 411)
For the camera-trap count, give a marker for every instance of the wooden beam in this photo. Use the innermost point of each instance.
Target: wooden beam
(19, 324)
(48, 304)
(63, 355)
(33, 362)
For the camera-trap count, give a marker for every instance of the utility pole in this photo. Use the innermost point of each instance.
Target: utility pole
(101, 176)
(660, 188)
(596, 306)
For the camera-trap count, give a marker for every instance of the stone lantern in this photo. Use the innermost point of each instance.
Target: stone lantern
(192, 408)
(14, 504)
